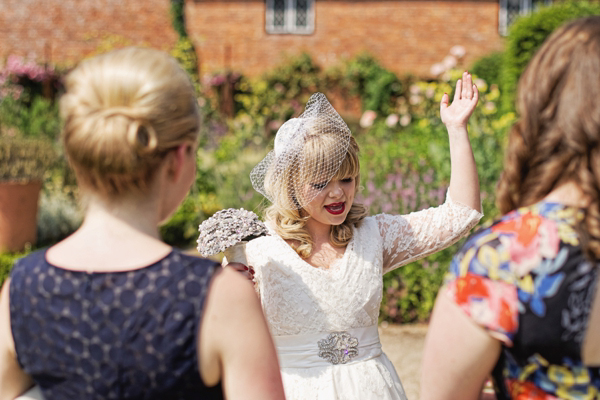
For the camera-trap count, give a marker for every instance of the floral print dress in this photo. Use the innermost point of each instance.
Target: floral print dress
(526, 281)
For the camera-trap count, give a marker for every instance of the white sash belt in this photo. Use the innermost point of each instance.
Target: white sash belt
(327, 348)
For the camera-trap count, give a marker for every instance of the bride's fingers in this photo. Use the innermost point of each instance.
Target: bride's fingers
(444, 102)
(469, 86)
(458, 90)
(465, 86)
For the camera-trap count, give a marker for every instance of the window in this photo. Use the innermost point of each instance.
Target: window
(510, 10)
(290, 16)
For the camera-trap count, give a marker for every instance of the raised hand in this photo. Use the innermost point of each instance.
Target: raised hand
(466, 96)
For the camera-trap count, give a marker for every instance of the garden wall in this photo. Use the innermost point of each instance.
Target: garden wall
(404, 35)
(64, 31)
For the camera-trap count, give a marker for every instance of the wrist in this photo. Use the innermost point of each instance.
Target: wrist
(457, 131)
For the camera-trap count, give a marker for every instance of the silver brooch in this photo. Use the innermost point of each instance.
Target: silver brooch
(338, 347)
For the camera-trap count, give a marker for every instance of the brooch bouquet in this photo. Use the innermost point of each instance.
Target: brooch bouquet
(228, 231)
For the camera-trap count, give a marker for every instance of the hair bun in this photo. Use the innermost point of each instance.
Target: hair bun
(122, 112)
(142, 137)
(140, 134)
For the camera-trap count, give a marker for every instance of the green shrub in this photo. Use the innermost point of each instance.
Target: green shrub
(489, 67)
(182, 228)
(6, 263)
(58, 216)
(410, 291)
(185, 53)
(376, 86)
(35, 118)
(278, 95)
(24, 160)
(528, 33)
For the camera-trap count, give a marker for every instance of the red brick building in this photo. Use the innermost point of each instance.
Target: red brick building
(251, 36)
(405, 35)
(64, 31)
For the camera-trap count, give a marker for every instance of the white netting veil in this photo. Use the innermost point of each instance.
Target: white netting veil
(307, 154)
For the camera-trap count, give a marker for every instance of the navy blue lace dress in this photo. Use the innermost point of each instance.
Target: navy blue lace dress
(117, 335)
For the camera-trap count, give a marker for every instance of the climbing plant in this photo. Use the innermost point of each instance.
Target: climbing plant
(184, 50)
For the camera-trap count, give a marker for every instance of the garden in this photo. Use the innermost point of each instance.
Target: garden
(405, 160)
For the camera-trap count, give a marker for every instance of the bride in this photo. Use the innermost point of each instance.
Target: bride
(319, 273)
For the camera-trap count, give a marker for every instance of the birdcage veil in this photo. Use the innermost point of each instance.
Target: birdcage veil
(308, 152)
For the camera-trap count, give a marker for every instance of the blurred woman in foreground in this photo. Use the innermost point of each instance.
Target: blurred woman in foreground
(112, 312)
(520, 302)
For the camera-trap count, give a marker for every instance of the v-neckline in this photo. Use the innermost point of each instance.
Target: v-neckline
(335, 266)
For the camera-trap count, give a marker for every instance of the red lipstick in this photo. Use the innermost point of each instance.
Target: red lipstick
(336, 208)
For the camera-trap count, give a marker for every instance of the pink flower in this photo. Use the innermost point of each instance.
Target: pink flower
(279, 87)
(479, 83)
(414, 89)
(414, 99)
(275, 125)
(437, 69)
(405, 120)
(449, 62)
(458, 51)
(490, 106)
(391, 120)
(367, 118)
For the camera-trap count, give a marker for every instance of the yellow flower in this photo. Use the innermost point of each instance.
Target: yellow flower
(528, 370)
(489, 257)
(568, 235)
(526, 284)
(466, 260)
(565, 393)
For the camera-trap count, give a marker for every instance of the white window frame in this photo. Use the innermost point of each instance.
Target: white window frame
(525, 7)
(290, 26)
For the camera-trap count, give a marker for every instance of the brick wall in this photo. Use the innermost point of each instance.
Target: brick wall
(64, 31)
(406, 35)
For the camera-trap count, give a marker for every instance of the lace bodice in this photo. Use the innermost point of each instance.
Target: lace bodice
(299, 298)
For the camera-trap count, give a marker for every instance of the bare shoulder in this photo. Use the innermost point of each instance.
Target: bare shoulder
(5, 331)
(229, 288)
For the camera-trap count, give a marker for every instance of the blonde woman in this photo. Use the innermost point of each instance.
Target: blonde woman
(319, 273)
(112, 312)
(521, 301)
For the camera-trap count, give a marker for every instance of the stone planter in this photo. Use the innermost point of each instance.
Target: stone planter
(18, 214)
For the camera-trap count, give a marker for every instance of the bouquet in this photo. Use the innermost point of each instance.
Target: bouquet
(228, 231)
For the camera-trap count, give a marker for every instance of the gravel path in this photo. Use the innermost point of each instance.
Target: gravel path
(403, 345)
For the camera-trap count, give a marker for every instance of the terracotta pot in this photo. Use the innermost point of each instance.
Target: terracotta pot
(18, 214)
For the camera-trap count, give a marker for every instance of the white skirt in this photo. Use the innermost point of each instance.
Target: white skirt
(346, 365)
(364, 380)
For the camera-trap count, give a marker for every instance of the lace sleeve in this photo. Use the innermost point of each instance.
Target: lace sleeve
(407, 238)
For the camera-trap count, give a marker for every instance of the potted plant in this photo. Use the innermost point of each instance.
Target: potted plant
(22, 165)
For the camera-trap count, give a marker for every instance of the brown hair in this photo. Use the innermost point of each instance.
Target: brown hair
(557, 136)
(123, 111)
(290, 223)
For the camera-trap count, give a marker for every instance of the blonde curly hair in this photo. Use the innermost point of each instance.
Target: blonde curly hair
(290, 224)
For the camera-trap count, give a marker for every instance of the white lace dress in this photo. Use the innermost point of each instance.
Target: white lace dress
(304, 304)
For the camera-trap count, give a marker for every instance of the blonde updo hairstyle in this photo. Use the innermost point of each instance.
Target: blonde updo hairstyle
(290, 224)
(557, 137)
(123, 111)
